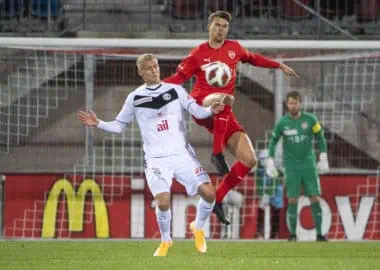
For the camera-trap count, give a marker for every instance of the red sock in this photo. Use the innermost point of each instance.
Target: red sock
(235, 176)
(219, 129)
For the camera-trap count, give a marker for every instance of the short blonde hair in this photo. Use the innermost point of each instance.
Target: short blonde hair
(144, 57)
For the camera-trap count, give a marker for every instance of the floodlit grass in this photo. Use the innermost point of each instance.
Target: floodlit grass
(220, 255)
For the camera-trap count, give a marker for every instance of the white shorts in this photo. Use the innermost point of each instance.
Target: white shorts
(185, 168)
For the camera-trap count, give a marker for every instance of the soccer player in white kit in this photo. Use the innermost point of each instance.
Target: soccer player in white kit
(158, 108)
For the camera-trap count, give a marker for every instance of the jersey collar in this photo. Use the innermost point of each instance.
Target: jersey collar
(291, 118)
(153, 87)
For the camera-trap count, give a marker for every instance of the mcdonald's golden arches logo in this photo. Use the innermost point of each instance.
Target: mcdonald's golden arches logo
(75, 208)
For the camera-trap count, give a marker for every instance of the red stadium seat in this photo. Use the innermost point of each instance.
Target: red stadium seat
(291, 10)
(186, 9)
(259, 8)
(234, 7)
(368, 10)
(214, 5)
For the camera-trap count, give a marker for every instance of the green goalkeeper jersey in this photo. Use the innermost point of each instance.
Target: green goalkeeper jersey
(298, 152)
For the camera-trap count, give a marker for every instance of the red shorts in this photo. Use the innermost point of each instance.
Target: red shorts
(208, 123)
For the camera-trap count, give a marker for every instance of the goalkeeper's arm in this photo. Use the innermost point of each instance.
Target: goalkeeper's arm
(321, 141)
(323, 164)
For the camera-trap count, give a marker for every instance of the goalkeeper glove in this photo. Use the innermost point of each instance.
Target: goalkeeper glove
(323, 164)
(271, 168)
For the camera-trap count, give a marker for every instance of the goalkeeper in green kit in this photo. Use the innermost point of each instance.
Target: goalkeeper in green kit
(298, 129)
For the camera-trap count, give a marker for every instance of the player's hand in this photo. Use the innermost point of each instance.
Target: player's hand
(289, 71)
(87, 118)
(271, 170)
(323, 164)
(217, 107)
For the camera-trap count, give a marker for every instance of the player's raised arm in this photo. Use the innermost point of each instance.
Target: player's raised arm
(259, 60)
(124, 117)
(89, 118)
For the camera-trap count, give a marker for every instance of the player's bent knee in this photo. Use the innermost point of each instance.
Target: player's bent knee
(227, 99)
(163, 201)
(163, 206)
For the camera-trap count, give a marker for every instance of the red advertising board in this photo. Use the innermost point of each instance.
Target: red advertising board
(55, 206)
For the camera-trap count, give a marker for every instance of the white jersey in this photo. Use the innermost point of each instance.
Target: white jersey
(159, 111)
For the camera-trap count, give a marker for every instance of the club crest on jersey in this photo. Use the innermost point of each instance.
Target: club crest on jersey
(159, 114)
(166, 96)
(304, 125)
(231, 54)
(163, 126)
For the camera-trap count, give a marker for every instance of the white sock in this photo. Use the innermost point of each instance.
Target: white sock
(164, 221)
(204, 210)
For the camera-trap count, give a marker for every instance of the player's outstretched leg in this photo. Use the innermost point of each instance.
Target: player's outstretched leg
(241, 147)
(220, 123)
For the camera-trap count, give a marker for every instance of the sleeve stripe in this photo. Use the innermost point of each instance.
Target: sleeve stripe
(316, 128)
(121, 121)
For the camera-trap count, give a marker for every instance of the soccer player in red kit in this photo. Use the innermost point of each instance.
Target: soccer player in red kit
(225, 128)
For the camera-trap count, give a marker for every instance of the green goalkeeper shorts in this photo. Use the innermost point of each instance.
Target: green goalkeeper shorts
(306, 178)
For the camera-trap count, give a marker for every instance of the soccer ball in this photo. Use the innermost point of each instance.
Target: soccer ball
(217, 74)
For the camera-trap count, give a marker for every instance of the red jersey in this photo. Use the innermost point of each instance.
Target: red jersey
(231, 53)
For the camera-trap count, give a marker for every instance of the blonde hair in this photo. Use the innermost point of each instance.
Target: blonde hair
(144, 57)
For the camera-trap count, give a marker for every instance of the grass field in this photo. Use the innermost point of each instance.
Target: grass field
(220, 255)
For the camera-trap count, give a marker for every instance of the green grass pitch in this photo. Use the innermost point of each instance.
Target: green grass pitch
(220, 255)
